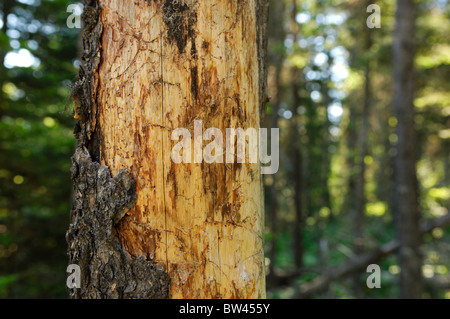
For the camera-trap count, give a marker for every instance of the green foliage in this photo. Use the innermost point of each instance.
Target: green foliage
(36, 143)
(330, 147)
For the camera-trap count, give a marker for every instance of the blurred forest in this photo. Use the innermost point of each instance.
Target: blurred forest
(332, 208)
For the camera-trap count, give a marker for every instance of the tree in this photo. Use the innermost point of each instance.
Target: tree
(406, 197)
(159, 229)
(275, 35)
(360, 179)
(296, 149)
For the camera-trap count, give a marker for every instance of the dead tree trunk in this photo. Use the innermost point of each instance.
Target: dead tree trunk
(160, 229)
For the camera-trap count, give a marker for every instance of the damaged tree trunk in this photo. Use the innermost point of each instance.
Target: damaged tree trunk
(158, 229)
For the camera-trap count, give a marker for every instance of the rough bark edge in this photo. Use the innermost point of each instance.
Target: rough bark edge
(262, 18)
(107, 270)
(100, 201)
(84, 92)
(261, 11)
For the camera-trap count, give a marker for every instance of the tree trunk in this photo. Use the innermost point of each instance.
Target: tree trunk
(276, 35)
(406, 201)
(360, 197)
(160, 229)
(296, 154)
(6, 10)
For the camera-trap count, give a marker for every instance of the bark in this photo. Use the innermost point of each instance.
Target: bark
(275, 34)
(183, 230)
(406, 194)
(360, 198)
(351, 138)
(296, 150)
(100, 202)
(6, 10)
(298, 193)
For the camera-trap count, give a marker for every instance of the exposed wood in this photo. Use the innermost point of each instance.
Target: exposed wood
(163, 65)
(100, 202)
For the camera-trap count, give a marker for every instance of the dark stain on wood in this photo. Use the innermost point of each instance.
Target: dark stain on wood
(180, 21)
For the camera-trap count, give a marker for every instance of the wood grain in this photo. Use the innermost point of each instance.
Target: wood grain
(163, 65)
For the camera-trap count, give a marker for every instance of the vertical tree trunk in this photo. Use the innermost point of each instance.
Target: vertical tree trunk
(6, 10)
(296, 149)
(406, 201)
(360, 198)
(276, 35)
(160, 229)
(298, 202)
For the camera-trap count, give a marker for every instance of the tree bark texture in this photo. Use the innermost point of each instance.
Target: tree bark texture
(296, 153)
(275, 34)
(360, 195)
(160, 229)
(406, 197)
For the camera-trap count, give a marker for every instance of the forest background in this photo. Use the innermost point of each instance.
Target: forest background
(330, 209)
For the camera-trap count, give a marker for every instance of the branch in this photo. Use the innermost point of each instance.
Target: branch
(359, 263)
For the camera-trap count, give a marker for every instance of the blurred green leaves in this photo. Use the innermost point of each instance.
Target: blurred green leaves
(36, 143)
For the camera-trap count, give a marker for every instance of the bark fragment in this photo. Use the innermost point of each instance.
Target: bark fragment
(85, 86)
(107, 270)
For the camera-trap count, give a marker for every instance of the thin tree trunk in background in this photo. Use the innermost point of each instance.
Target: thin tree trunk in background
(159, 229)
(446, 147)
(276, 35)
(360, 199)
(351, 138)
(326, 142)
(406, 193)
(298, 193)
(296, 149)
(6, 10)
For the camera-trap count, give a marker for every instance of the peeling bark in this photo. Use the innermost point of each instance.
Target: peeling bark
(147, 68)
(85, 87)
(107, 270)
(100, 201)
